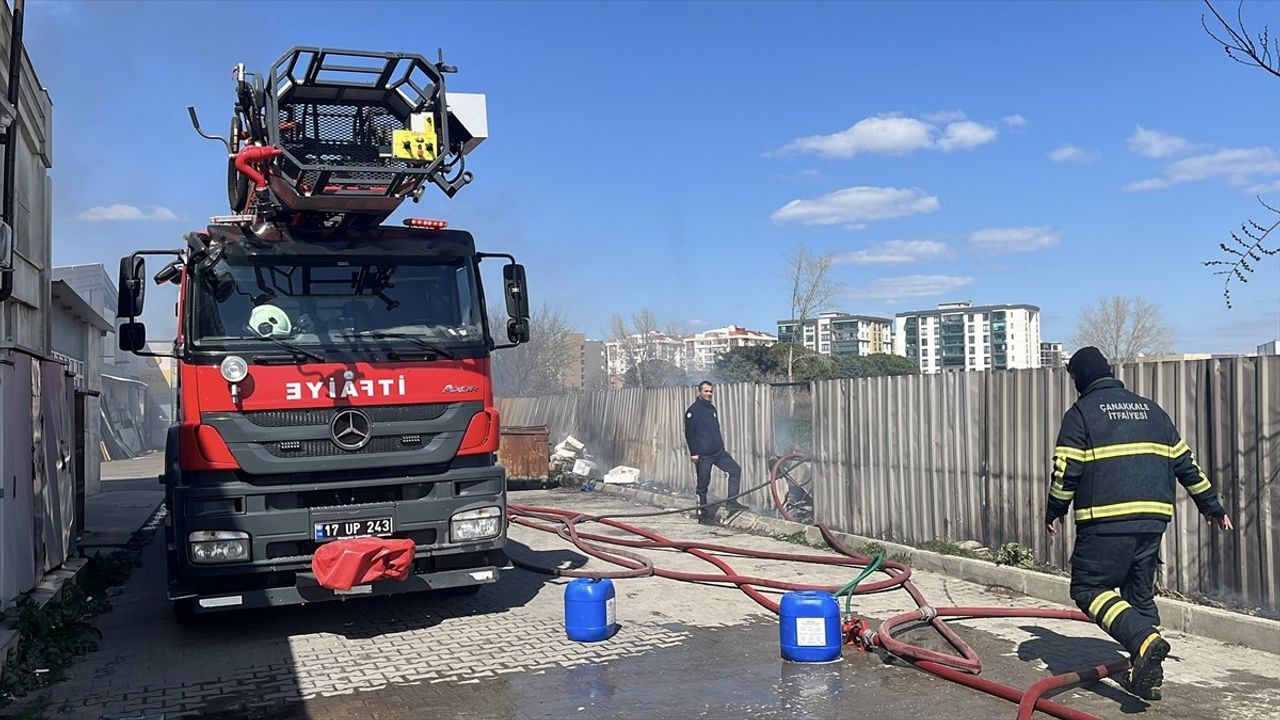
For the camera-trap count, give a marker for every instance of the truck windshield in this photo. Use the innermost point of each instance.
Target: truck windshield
(346, 305)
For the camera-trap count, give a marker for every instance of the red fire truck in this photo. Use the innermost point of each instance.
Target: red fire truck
(336, 432)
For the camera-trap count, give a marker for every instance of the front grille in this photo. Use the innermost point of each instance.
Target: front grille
(327, 448)
(322, 416)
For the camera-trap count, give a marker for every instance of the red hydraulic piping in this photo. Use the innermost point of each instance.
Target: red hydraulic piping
(256, 154)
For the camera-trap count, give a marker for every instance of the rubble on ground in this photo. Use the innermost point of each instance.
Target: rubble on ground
(571, 461)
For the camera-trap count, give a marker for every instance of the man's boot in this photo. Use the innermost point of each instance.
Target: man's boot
(706, 515)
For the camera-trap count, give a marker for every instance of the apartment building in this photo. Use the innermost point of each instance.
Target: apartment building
(1052, 355)
(962, 336)
(702, 349)
(838, 333)
(620, 354)
(584, 367)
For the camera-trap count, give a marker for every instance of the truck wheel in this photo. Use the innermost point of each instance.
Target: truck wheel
(184, 611)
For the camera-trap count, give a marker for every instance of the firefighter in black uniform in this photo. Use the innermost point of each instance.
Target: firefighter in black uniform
(706, 450)
(1116, 458)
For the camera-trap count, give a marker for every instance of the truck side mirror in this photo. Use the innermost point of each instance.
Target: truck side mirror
(517, 292)
(132, 288)
(518, 330)
(133, 336)
(171, 273)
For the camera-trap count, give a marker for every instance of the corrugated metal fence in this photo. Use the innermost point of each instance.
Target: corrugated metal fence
(645, 429)
(962, 456)
(966, 456)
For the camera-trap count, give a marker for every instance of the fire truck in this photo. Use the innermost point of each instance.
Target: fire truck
(334, 396)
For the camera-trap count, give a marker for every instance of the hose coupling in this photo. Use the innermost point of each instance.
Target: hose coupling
(868, 638)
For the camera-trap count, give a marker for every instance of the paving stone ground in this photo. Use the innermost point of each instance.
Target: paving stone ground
(683, 650)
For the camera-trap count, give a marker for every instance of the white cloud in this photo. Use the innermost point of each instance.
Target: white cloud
(965, 135)
(1156, 144)
(896, 252)
(944, 117)
(854, 205)
(1148, 184)
(1015, 239)
(1072, 154)
(1264, 188)
(120, 211)
(880, 135)
(802, 175)
(1015, 121)
(910, 286)
(1248, 168)
(896, 135)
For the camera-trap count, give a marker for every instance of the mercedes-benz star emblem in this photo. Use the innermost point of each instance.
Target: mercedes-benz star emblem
(350, 429)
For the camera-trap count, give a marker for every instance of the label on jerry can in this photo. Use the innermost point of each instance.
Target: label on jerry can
(610, 612)
(811, 632)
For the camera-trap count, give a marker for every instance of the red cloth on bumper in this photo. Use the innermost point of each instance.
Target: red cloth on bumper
(340, 564)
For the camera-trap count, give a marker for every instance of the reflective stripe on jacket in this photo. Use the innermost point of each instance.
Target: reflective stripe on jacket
(1116, 458)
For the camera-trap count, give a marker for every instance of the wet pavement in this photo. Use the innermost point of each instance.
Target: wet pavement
(683, 650)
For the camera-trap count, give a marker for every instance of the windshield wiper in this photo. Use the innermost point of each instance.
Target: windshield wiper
(296, 350)
(382, 335)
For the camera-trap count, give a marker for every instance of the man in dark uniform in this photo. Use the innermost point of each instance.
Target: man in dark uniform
(1116, 458)
(706, 450)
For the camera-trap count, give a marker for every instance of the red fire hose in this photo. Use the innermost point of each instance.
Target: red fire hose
(962, 668)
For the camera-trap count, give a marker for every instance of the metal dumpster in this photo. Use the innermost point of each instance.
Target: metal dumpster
(525, 451)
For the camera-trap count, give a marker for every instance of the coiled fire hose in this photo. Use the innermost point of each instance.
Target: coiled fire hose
(963, 668)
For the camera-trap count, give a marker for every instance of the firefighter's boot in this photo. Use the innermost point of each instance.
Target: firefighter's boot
(1147, 675)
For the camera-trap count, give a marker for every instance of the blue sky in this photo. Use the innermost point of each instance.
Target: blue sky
(669, 156)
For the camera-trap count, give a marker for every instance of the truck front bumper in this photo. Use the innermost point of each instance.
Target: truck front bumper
(307, 590)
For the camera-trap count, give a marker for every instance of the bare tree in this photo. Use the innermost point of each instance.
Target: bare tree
(536, 367)
(639, 340)
(1124, 329)
(1247, 254)
(1264, 53)
(812, 291)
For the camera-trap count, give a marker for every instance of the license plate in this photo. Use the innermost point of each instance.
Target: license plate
(352, 528)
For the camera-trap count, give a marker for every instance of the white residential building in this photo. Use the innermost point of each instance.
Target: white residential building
(960, 336)
(837, 333)
(620, 354)
(702, 349)
(1052, 355)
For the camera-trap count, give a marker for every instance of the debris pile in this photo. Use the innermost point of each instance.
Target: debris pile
(571, 461)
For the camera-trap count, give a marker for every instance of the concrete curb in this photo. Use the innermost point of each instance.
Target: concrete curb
(1252, 632)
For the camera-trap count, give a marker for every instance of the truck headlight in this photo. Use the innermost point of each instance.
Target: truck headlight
(234, 369)
(218, 546)
(475, 524)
